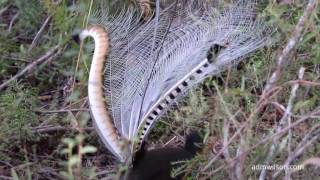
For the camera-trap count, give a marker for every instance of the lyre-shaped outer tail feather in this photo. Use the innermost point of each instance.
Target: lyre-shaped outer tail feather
(102, 119)
(197, 74)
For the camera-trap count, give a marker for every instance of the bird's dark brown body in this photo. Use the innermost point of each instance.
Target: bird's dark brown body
(157, 164)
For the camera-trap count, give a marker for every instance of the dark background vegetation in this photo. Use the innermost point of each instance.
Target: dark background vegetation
(45, 126)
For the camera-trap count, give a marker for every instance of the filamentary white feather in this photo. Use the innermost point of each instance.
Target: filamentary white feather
(153, 63)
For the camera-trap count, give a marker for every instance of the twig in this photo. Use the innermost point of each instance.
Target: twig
(226, 153)
(284, 120)
(39, 33)
(260, 104)
(13, 58)
(51, 173)
(303, 82)
(168, 142)
(223, 149)
(226, 109)
(284, 57)
(235, 170)
(48, 56)
(62, 110)
(263, 141)
(283, 60)
(12, 21)
(312, 161)
(4, 9)
(50, 129)
(227, 79)
(291, 99)
(6, 177)
(6, 163)
(307, 141)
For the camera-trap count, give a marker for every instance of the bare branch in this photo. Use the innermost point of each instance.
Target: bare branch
(49, 129)
(308, 140)
(286, 119)
(284, 57)
(39, 33)
(4, 9)
(312, 161)
(263, 141)
(12, 22)
(283, 60)
(62, 110)
(55, 51)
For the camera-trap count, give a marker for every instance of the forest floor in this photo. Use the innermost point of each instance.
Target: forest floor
(45, 126)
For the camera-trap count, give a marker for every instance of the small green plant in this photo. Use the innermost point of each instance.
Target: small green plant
(75, 151)
(17, 115)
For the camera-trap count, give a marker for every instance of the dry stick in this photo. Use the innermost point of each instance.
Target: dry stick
(62, 110)
(284, 120)
(240, 164)
(291, 99)
(302, 82)
(13, 58)
(226, 153)
(226, 121)
(39, 33)
(228, 78)
(307, 141)
(6, 177)
(259, 105)
(226, 127)
(4, 9)
(52, 129)
(226, 109)
(48, 56)
(311, 161)
(49, 129)
(284, 58)
(267, 139)
(282, 61)
(280, 107)
(12, 22)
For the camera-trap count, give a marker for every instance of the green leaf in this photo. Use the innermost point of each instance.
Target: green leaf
(80, 138)
(64, 151)
(305, 104)
(66, 174)
(88, 149)
(74, 160)
(69, 141)
(75, 96)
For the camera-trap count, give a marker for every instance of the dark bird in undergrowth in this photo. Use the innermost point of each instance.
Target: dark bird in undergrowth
(157, 164)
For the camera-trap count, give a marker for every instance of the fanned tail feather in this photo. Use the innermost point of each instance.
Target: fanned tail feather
(153, 63)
